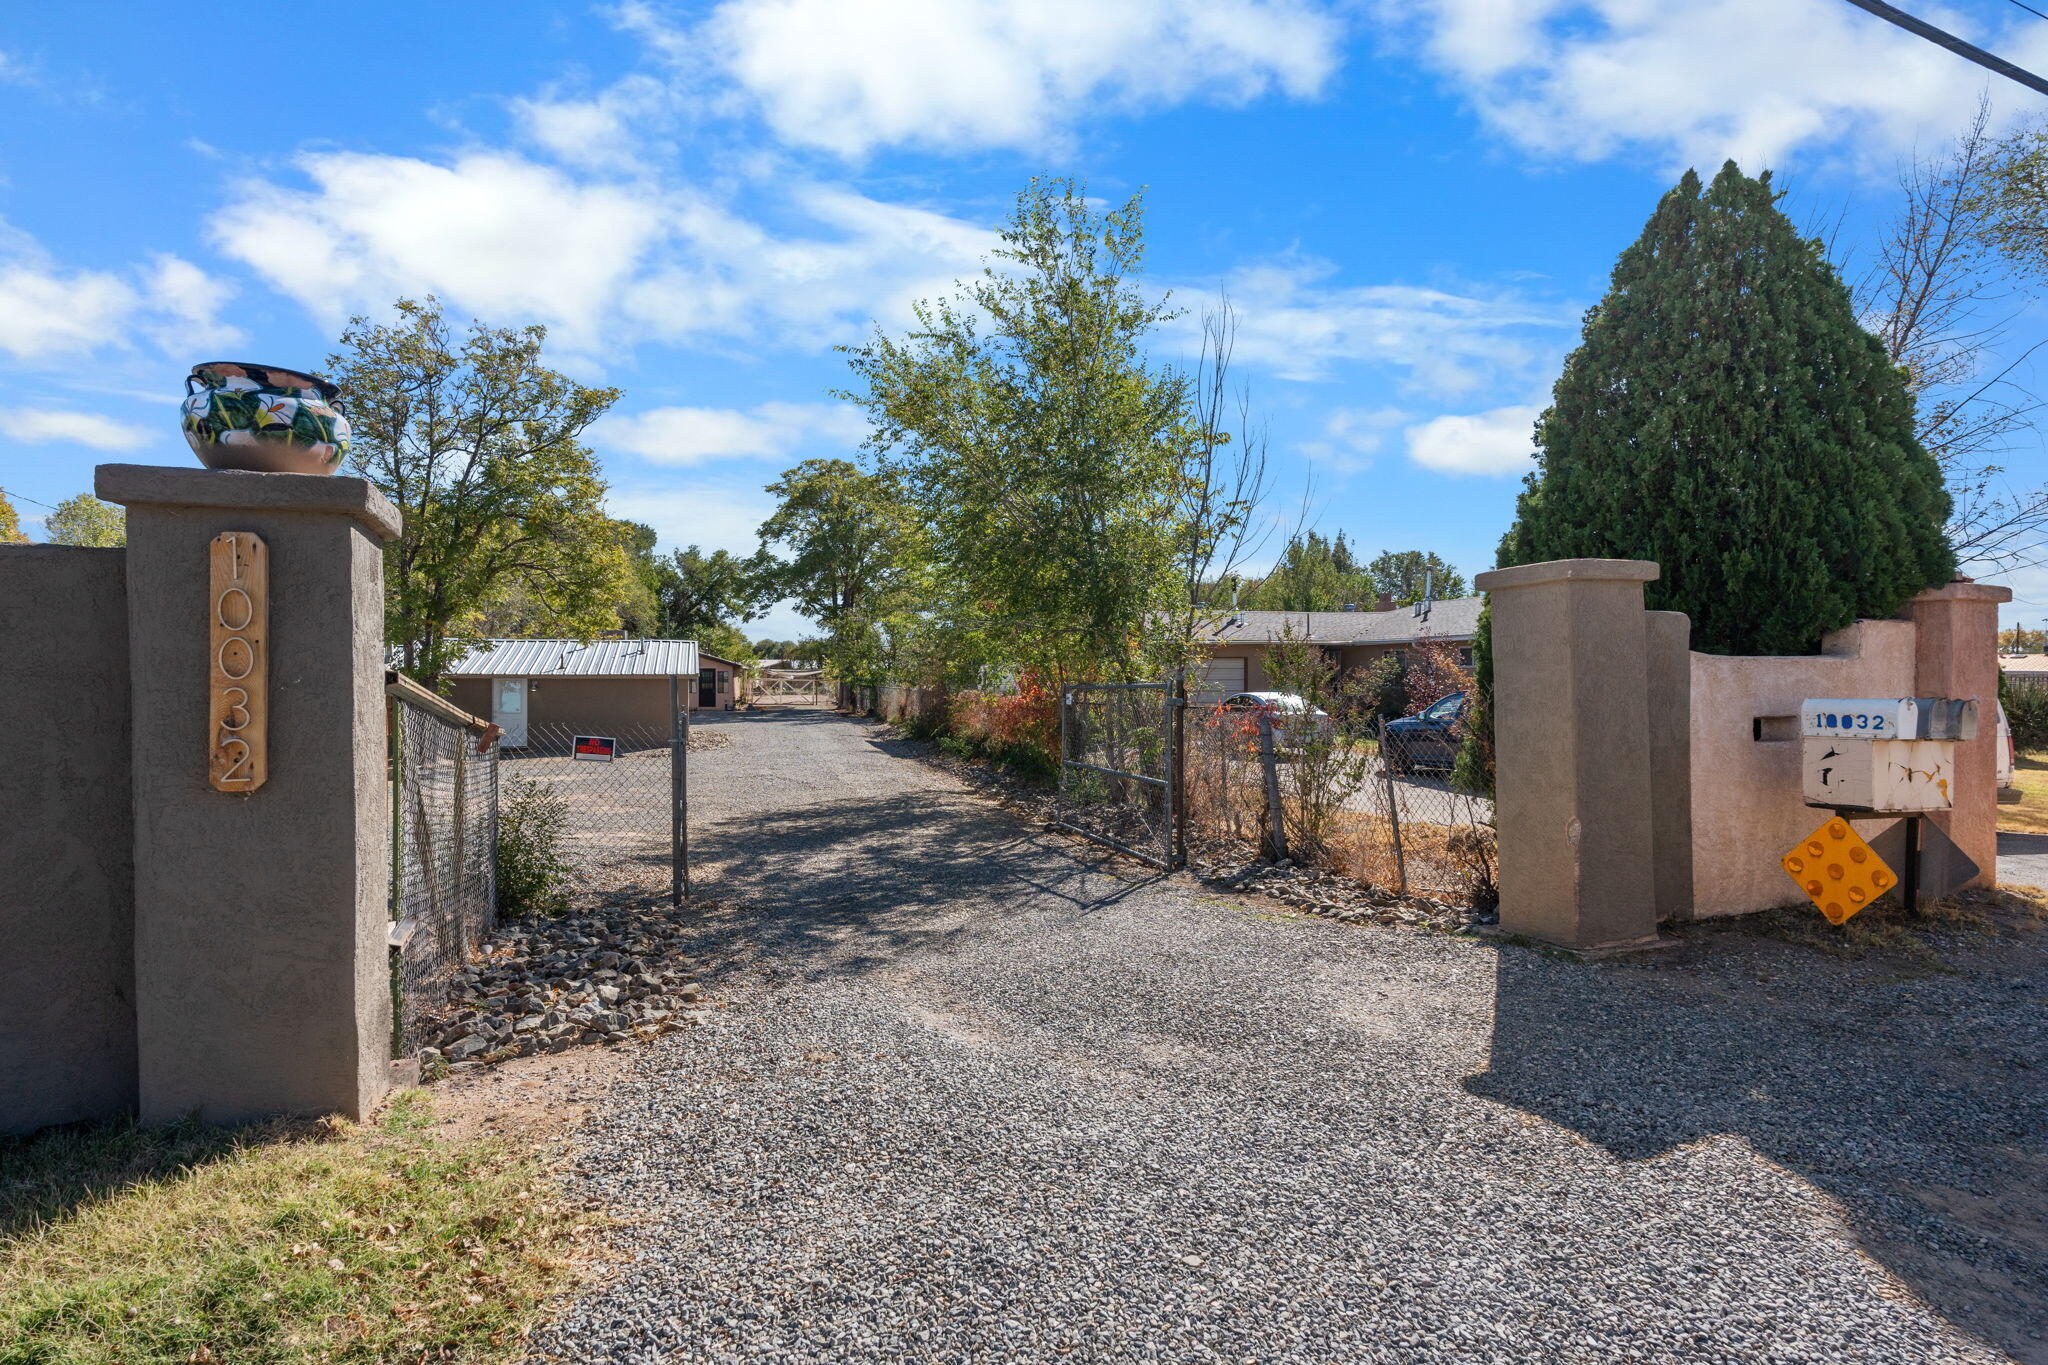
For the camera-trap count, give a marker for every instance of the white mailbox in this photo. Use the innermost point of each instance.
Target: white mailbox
(1891, 754)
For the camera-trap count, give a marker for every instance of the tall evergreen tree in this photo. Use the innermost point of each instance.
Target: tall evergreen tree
(1727, 417)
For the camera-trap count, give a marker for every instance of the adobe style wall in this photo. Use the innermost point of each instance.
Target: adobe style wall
(67, 915)
(1640, 782)
(1748, 807)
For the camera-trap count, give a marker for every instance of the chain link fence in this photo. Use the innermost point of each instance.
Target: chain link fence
(1118, 785)
(623, 790)
(1354, 796)
(444, 828)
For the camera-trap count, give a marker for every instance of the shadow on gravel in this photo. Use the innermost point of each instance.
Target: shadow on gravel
(1916, 1102)
(844, 886)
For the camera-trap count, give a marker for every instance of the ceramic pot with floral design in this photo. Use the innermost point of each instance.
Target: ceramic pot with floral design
(265, 418)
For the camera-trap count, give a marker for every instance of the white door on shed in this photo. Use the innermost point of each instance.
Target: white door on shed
(1223, 677)
(508, 710)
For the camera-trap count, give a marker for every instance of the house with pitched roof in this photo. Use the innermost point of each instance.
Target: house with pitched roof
(1239, 643)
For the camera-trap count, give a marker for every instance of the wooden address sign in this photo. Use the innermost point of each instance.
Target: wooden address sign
(238, 718)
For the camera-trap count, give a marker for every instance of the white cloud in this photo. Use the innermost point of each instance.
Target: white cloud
(716, 516)
(602, 132)
(38, 425)
(1292, 321)
(603, 263)
(495, 233)
(48, 312)
(955, 74)
(1352, 436)
(1696, 83)
(770, 431)
(1487, 443)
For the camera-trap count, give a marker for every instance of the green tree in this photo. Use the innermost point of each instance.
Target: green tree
(640, 607)
(852, 546)
(1404, 575)
(720, 588)
(85, 520)
(10, 524)
(1035, 441)
(1312, 574)
(726, 642)
(479, 445)
(1726, 417)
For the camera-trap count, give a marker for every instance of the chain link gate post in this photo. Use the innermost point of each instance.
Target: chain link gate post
(678, 793)
(1177, 790)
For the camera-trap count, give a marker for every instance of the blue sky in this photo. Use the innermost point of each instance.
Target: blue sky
(1409, 204)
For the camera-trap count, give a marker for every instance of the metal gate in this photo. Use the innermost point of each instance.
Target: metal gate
(622, 792)
(1120, 770)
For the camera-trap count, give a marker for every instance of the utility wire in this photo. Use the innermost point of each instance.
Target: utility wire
(1941, 38)
(2030, 9)
(24, 498)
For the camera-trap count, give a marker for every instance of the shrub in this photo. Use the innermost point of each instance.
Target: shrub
(533, 872)
(2026, 711)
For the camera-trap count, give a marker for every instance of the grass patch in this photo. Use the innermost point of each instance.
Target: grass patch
(2030, 816)
(291, 1242)
(1886, 929)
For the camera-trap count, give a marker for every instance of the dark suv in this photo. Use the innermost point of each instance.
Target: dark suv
(1428, 740)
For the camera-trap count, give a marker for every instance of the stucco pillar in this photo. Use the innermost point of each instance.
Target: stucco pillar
(1955, 654)
(1573, 802)
(262, 979)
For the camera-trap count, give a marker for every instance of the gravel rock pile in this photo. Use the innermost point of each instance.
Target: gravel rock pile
(1234, 864)
(608, 974)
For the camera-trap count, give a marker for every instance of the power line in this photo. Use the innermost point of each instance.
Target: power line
(1942, 38)
(2030, 9)
(24, 498)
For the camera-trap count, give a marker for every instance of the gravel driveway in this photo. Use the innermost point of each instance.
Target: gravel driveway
(982, 1095)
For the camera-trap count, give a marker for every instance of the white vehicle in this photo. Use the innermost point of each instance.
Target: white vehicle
(2008, 794)
(1295, 722)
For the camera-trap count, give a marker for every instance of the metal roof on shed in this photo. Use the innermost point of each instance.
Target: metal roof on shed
(575, 659)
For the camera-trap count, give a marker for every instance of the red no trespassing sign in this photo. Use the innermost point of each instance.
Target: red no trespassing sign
(596, 748)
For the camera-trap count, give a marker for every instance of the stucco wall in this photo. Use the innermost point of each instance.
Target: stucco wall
(1747, 808)
(262, 979)
(67, 978)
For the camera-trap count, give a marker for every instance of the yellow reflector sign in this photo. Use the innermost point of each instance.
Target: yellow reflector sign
(1838, 871)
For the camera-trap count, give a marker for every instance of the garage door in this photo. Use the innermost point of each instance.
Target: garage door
(1223, 677)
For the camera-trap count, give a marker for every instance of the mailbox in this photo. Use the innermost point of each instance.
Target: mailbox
(1883, 754)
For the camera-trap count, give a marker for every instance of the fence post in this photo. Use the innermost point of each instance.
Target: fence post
(678, 761)
(1393, 813)
(1177, 771)
(1269, 770)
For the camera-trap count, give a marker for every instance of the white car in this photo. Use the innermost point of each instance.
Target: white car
(2008, 794)
(1295, 722)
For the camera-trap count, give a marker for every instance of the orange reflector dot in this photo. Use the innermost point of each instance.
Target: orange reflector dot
(1881, 878)
(1856, 895)
(1858, 855)
(1813, 888)
(1816, 848)
(1838, 829)
(1835, 871)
